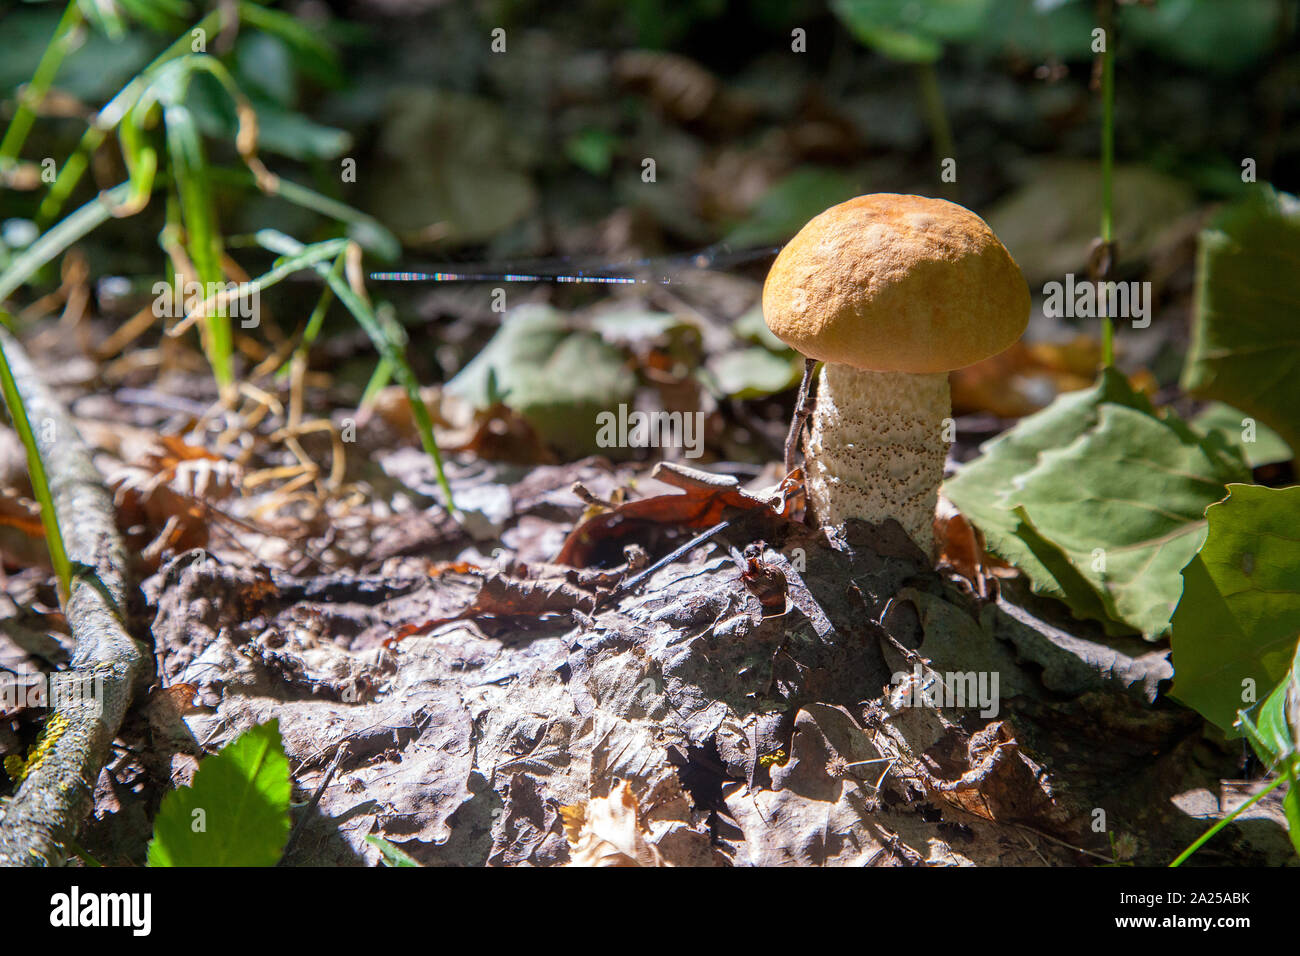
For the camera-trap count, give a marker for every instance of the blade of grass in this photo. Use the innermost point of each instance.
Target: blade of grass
(93, 214)
(1107, 17)
(388, 349)
(322, 306)
(40, 483)
(376, 238)
(314, 323)
(936, 118)
(111, 115)
(203, 242)
(280, 270)
(106, 18)
(46, 69)
(1205, 837)
(379, 380)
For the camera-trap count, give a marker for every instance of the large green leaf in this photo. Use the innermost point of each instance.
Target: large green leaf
(555, 375)
(1236, 626)
(1126, 504)
(1050, 220)
(237, 811)
(1205, 35)
(980, 488)
(1099, 501)
(1245, 340)
(1038, 30)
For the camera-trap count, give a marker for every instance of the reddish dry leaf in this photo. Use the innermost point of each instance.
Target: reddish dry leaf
(959, 545)
(706, 500)
(438, 568)
(169, 493)
(1024, 378)
(177, 699)
(21, 513)
(22, 536)
(175, 450)
(766, 582)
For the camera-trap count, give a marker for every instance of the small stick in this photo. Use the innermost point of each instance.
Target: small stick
(310, 805)
(634, 581)
(800, 414)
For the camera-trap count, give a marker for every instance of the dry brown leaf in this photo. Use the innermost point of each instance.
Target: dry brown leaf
(678, 85)
(1027, 376)
(499, 433)
(526, 593)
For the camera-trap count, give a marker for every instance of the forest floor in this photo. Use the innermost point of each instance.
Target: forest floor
(765, 695)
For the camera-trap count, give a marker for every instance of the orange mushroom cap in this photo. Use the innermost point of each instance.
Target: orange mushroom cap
(895, 283)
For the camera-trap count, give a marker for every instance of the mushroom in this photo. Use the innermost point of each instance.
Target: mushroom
(890, 292)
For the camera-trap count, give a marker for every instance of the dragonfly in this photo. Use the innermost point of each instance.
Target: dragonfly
(666, 270)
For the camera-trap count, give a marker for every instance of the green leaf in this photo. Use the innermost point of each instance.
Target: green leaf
(1257, 443)
(294, 135)
(1291, 807)
(592, 149)
(1205, 36)
(237, 811)
(909, 31)
(558, 377)
(1237, 622)
(1245, 341)
(1038, 30)
(751, 327)
(1126, 504)
(393, 855)
(263, 68)
(1275, 731)
(1048, 247)
(1099, 501)
(979, 489)
(790, 203)
(754, 372)
(1275, 738)
(311, 54)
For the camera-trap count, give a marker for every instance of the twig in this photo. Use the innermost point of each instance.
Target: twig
(108, 665)
(307, 809)
(634, 582)
(801, 412)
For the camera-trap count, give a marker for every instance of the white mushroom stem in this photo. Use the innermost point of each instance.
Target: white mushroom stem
(877, 448)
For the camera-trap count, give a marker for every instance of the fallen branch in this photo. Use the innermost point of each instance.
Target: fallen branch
(89, 699)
